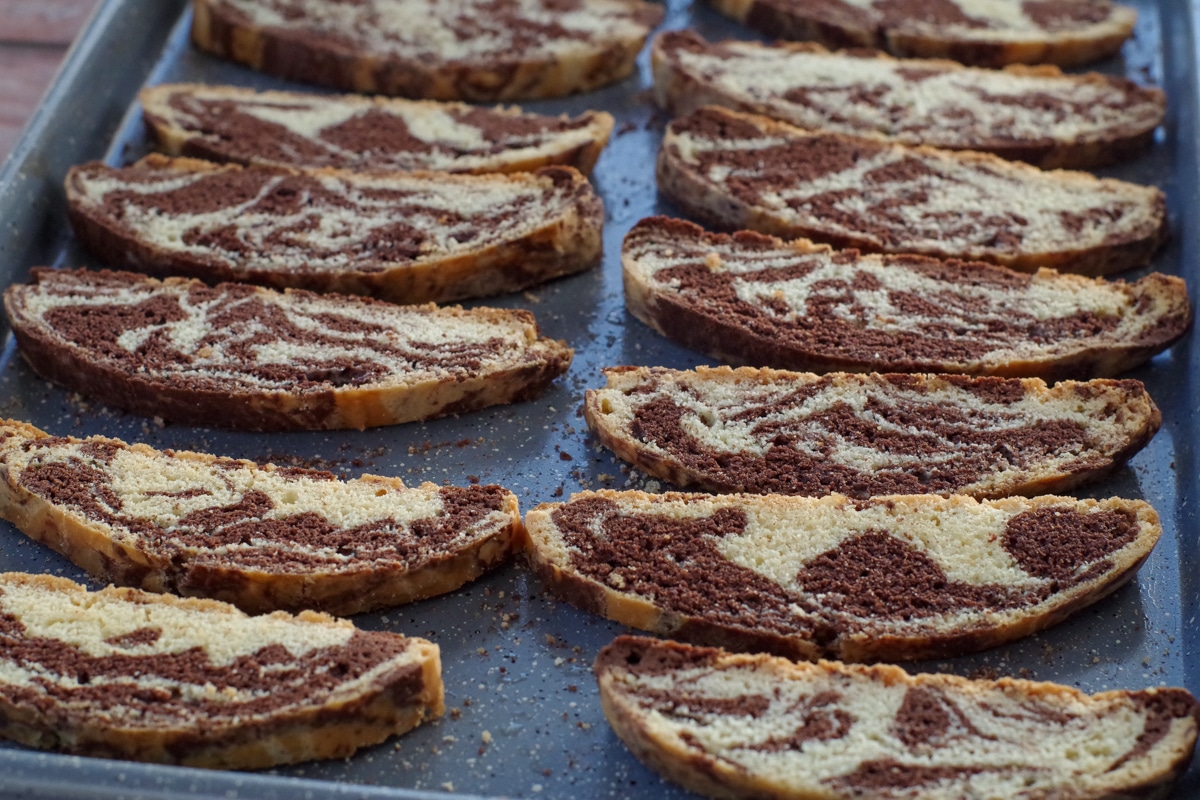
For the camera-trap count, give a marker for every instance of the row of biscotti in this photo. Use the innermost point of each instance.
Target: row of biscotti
(1039, 115)
(475, 50)
(184, 351)
(803, 575)
(158, 678)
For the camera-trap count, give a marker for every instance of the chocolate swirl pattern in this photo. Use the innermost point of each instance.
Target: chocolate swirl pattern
(764, 431)
(1064, 32)
(474, 50)
(746, 171)
(728, 725)
(751, 299)
(891, 578)
(120, 673)
(404, 237)
(260, 537)
(242, 126)
(238, 356)
(1041, 116)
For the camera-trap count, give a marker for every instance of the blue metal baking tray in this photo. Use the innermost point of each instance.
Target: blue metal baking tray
(524, 718)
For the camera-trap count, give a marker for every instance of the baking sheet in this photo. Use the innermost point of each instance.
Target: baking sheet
(524, 720)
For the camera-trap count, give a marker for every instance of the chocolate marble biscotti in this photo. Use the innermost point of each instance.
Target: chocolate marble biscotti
(770, 432)
(120, 673)
(1039, 115)
(728, 725)
(404, 237)
(736, 170)
(981, 32)
(260, 537)
(299, 129)
(239, 356)
(450, 50)
(753, 299)
(891, 578)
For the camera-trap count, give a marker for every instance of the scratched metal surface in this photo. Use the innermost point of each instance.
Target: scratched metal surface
(524, 720)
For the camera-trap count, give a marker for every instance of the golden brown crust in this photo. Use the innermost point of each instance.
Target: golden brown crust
(566, 240)
(399, 693)
(133, 553)
(516, 76)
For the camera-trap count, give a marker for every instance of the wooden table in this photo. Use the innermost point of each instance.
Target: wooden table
(34, 36)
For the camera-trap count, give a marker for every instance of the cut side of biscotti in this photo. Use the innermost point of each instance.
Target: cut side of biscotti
(765, 431)
(404, 237)
(731, 725)
(1039, 115)
(473, 50)
(757, 300)
(120, 673)
(980, 32)
(231, 124)
(890, 578)
(264, 538)
(244, 357)
(737, 170)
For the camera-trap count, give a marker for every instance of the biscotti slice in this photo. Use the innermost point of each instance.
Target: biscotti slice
(737, 170)
(120, 673)
(474, 50)
(752, 299)
(1038, 115)
(981, 32)
(244, 357)
(890, 578)
(406, 237)
(765, 431)
(260, 537)
(729, 725)
(243, 126)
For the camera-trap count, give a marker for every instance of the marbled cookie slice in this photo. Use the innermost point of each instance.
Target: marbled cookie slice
(738, 170)
(1039, 115)
(766, 431)
(404, 237)
(243, 126)
(728, 725)
(753, 299)
(475, 50)
(120, 673)
(239, 356)
(260, 537)
(891, 578)
(982, 32)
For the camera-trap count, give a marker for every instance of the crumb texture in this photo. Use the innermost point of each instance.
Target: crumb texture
(747, 171)
(765, 431)
(754, 726)
(890, 578)
(232, 124)
(201, 525)
(757, 300)
(982, 32)
(408, 237)
(241, 356)
(458, 50)
(1041, 115)
(121, 673)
